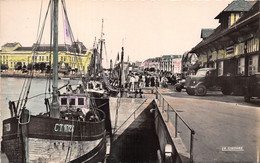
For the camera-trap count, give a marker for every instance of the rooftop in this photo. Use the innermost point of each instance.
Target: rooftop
(11, 44)
(251, 16)
(237, 6)
(206, 32)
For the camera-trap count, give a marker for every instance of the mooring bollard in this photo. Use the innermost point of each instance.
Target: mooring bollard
(168, 153)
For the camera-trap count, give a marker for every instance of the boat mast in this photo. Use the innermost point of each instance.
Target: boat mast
(101, 46)
(54, 112)
(121, 69)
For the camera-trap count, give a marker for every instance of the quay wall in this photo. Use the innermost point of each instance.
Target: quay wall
(144, 134)
(164, 136)
(36, 74)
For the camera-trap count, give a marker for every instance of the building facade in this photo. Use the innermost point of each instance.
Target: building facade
(166, 63)
(233, 47)
(74, 56)
(170, 63)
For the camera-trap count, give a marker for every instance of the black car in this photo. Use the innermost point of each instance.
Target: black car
(252, 87)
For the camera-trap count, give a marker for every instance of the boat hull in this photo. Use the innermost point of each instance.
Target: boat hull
(45, 139)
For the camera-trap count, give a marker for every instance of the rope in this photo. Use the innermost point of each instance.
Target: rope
(27, 84)
(64, 29)
(18, 104)
(48, 82)
(39, 22)
(31, 97)
(79, 63)
(71, 139)
(117, 108)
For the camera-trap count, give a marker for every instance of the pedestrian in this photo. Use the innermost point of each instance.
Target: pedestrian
(136, 81)
(142, 81)
(164, 82)
(152, 81)
(146, 81)
(69, 89)
(132, 83)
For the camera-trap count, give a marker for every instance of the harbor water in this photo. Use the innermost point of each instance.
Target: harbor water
(10, 89)
(138, 142)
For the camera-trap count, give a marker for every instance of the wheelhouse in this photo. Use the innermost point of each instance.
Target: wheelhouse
(73, 102)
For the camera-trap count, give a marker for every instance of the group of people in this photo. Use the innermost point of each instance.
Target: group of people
(78, 90)
(137, 81)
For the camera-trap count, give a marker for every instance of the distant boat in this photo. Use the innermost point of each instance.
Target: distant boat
(72, 130)
(97, 82)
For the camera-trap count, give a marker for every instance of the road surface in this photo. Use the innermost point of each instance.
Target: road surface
(227, 129)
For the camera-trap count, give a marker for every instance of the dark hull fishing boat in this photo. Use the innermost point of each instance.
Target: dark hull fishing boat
(72, 130)
(47, 139)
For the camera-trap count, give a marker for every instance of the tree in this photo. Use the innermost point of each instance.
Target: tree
(42, 66)
(48, 69)
(18, 66)
(67, 67)
(36, 66)
(4, 67)
(24, 69)
(29, 66)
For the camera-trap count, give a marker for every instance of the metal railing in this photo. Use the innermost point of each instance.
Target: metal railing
(133, 114)
(162, 103)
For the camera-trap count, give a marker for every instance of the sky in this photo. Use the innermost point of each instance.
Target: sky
(146, 28)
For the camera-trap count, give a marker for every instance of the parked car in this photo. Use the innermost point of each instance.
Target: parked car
(179, 85)
(206, 78)
(252, 87)
(198, 84)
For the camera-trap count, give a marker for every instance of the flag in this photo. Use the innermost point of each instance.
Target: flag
(67, 33)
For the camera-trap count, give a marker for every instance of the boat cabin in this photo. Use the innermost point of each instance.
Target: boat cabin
(73, 102)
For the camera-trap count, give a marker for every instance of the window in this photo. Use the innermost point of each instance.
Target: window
(229, 21)
(241, 66)
(252, 65)
(47, 58)
(220, 68)
(253, 45)
(240, 48)
(72, 101)
(63, 101)
(61, 58)
(80, 101)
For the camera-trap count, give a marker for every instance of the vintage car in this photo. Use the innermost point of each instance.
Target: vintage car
(206, 78)
(252, 87)
(198, 84)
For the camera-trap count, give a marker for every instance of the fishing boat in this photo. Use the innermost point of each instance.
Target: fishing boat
(97, 82)
(73, 129)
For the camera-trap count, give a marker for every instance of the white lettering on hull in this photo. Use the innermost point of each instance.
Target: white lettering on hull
(63, 128)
